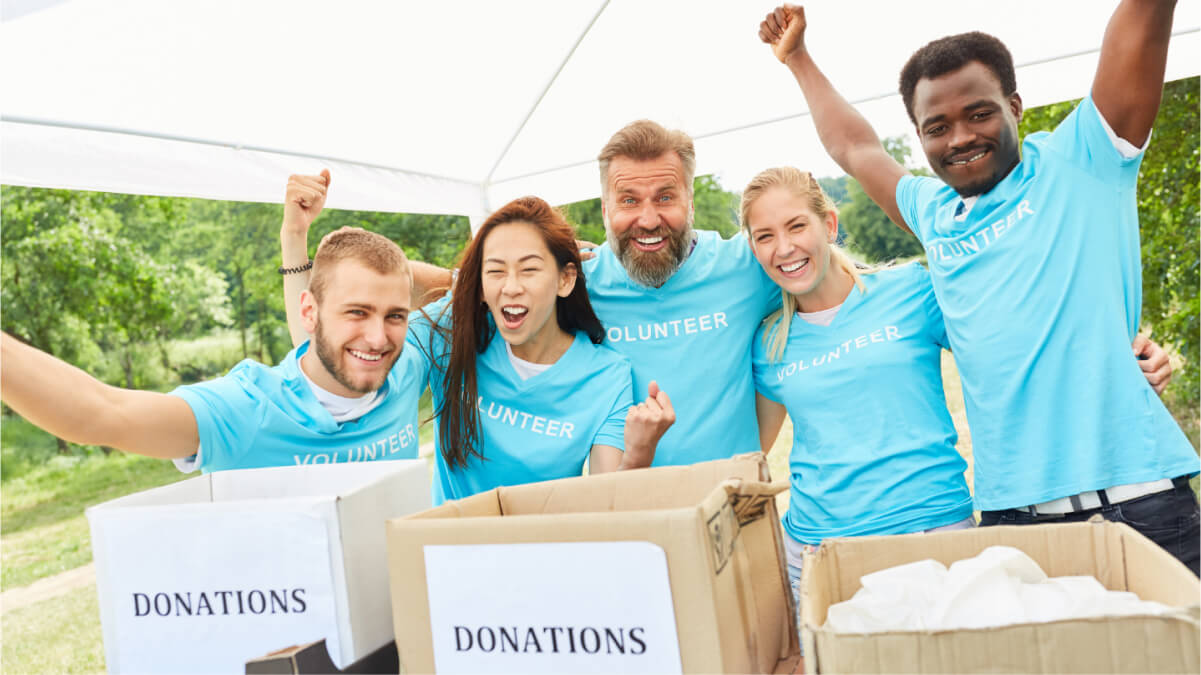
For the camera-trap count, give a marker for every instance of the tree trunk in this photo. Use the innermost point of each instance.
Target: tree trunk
(242, 311)
(127, 367)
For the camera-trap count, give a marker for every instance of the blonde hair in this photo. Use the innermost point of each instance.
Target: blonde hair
(645, 140)
(374, 251)
(803, 185)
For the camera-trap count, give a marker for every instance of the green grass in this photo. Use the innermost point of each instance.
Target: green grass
(59, 635)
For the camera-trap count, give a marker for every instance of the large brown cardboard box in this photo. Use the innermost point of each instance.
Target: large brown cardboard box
(1119, 557)
(709, 531)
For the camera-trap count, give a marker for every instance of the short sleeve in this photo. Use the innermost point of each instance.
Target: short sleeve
(227, 419)
(760, 364)
(612, 430)
(1081, 138)
(767, 293)
(916, 195)
(935, 327)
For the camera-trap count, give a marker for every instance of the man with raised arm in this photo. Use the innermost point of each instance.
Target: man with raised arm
(1034, 253)
(682, 304)
(349, 394)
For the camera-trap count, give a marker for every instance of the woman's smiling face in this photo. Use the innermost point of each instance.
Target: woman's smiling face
(790, 241)
(521, 282)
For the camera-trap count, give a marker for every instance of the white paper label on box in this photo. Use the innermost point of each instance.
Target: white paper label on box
(266, 585)
(588, 607)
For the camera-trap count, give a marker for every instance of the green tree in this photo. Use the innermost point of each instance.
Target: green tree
(436, 239)
(836, 188)
(866, 228)
(77, 282)
(72, 289)
(1169, 223)
(240, 240)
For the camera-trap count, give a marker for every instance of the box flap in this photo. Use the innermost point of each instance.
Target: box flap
(635, 490)
(311, 480)
(1140, 553)
(196, 490)
(481, 505)
(362, 560)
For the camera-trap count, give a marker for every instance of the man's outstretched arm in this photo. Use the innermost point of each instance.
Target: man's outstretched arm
(1134, 54)
(846, 135)
(76, 407)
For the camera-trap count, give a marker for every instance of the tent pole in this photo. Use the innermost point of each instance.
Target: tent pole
(525, 120)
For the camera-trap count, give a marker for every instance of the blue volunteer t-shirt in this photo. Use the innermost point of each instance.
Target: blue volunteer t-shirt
(1040, 287)
(693, 336)
(259, 416)
(873, 446)
(537, 429)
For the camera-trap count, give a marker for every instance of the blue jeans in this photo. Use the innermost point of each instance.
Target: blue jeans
(1169, 518)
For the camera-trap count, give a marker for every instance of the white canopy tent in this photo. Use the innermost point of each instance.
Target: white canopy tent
(432, 107)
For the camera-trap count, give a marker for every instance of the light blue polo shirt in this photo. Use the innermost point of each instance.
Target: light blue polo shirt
(1040, 287)
(873, 446)
(693, 336)
(259, 416)
(537, 429)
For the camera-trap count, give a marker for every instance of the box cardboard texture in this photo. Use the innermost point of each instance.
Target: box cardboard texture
(203, 574)
(1119, 557)
(716, 522)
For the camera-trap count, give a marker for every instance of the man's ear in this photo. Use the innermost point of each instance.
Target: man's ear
(1015, 105)
(567, 279)
(308, 311)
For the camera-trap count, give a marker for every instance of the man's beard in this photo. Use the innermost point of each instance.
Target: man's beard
(652, 268)
(327, 354)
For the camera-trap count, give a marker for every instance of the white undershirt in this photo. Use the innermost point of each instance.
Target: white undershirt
(1124, 147)
(525, 369)
(341, 408)
(822, 317)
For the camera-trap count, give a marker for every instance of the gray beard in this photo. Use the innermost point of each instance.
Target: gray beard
(652, 269)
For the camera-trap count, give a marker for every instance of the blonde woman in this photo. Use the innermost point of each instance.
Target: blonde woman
(853, 356)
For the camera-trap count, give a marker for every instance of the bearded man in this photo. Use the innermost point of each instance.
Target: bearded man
(682, 304)
(348, 395)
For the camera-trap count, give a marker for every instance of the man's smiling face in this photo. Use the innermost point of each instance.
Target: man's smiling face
(648, 216)
(968, 128)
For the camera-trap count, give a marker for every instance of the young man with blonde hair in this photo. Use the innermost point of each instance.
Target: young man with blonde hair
(349, 394)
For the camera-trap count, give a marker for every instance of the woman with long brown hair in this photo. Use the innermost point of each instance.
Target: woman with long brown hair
(524, 390)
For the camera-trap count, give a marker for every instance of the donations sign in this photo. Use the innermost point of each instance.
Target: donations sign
(589, 607)
(173, 611)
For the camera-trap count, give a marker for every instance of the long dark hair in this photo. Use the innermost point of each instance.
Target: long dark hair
(471, 331)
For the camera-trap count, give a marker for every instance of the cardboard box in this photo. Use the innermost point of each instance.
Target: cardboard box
(658, 570)
(1119, 557)
(201, 575)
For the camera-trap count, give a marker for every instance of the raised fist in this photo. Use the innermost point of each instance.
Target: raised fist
(646, 423)
(304, 199)
(784, 30)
